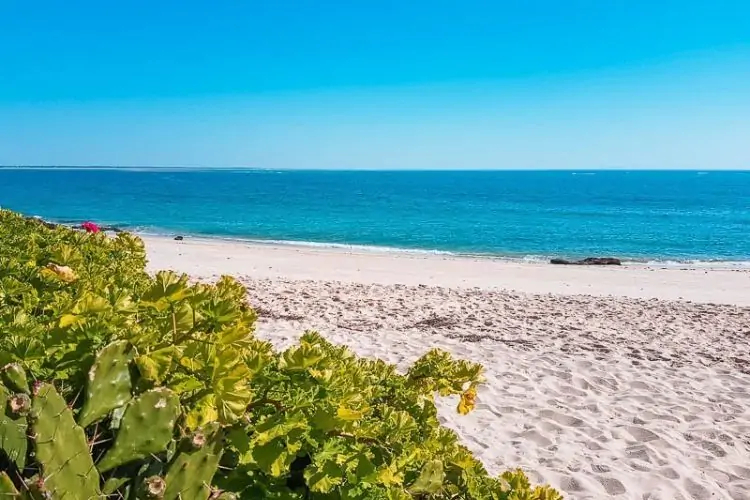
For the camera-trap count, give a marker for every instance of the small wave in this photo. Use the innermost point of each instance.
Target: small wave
(695, 263)
(508, 257)
(338, 246)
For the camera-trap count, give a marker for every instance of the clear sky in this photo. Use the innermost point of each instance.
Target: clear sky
(386, 84)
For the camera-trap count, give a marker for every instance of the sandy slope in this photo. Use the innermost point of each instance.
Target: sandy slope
(603, 397)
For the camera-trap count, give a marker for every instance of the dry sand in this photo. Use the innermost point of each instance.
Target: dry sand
(604, 382)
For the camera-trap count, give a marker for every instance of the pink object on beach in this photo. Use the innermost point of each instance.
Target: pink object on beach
(90, 227)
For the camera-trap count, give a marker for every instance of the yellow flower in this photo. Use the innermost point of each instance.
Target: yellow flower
(468, 400)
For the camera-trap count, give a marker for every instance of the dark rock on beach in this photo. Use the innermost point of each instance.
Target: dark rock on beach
(179, 238)
(589, 261)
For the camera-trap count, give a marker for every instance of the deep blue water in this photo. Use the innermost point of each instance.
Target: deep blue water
(636, 215)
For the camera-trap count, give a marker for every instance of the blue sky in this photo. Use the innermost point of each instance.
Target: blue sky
(341, 84)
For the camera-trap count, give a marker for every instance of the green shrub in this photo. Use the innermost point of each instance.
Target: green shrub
(121, 384)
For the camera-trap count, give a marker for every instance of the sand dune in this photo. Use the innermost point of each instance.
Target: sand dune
(602, 397)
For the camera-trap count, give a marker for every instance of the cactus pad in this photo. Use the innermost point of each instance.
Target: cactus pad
(61, 448)
(109, 383)
(13, 425)
(191, 472)
(7, 488)
(14, 378)
(146, 428)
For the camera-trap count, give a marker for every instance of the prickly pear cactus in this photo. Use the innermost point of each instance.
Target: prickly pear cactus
(61, 449)
(13, 426)
(146, 428)
(191, 472)
(7, 488)
(14, 378)
(109, 385)
(152, 487)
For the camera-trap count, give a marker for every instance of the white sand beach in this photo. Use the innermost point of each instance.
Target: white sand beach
(618, 382)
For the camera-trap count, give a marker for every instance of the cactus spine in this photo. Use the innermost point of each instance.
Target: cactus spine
(61, 448)
(109, 385)
(146, 428)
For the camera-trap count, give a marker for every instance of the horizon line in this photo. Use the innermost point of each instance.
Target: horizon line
(333, 169)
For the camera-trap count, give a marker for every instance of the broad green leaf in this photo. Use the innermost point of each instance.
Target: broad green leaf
(389, 476)
(278, 425)
(203, 412)
(196, 355)
(239, 439)
(325, 420)
(91, 304)
(169, 287)
(236, 335)
(67, 320)
(232, 391)
(397, 493)
(155, 365)
(322, 479)
(122, 302)
(184, 317)
(273, 458)
(348, 414)
(181, 383)
(430, 481)
(301, 358)
(220, 313)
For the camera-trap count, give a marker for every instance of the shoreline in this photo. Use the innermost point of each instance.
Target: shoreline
(209, 256)
(647, 262)
(630, 261)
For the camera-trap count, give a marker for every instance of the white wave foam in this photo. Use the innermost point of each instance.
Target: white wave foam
(340, 246)
(695, 263)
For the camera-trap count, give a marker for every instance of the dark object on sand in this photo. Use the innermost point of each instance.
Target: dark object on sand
(178, 238)
(589, 261)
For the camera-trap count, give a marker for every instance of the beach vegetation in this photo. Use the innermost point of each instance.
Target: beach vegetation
(117, 383)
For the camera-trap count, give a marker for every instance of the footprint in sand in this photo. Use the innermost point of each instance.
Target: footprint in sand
(564, 420)
(743, 472)
(642, 435)
(569, 483)
(612, 485)
(669, 473)
(536, 438)
(696, 490)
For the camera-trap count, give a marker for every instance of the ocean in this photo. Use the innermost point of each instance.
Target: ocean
(646, 216)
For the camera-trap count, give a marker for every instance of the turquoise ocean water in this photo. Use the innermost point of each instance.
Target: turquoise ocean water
(644, 216)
